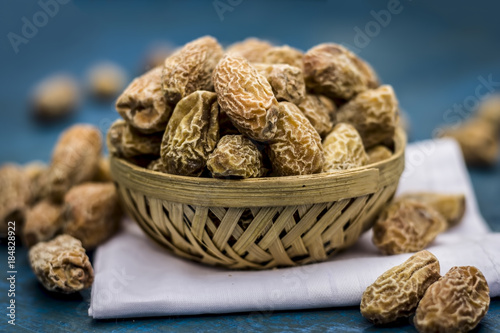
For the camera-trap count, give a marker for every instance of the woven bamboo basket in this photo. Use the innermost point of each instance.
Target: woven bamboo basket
(258, 223)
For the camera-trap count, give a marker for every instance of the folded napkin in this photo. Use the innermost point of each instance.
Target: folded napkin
(134, 277)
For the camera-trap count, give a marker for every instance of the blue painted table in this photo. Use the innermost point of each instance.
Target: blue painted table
(438, 56)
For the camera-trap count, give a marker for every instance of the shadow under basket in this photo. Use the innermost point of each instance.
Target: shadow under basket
(258, 223)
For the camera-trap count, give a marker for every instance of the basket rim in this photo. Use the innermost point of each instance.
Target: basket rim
(263, 191)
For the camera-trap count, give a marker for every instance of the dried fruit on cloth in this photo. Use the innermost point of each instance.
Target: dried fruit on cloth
(450, 206)
(406, 226)
(396, 293)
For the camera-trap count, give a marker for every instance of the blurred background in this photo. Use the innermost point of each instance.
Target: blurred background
(441, 57)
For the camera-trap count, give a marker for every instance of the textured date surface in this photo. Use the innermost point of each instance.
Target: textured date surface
(320, 111)
(252, 49)
(343, 149)
(450, 206)
(374, 113)
(124, 140)
(296, 148)
(92, 213)
(455, 303)
(336, 72)
(407, 226)
(61, 265)
(246, 97)
(75, 159)
(191, 134)
(190, 68)
(143, 104)
(286, 81)
(42, 222)
(235, 156)
(396, 293)
(284, 55)
(135, 143)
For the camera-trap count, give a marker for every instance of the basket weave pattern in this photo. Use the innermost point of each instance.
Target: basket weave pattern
(264, 228)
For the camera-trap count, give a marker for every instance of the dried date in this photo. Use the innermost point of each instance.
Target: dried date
(143, 104)
(190, 68)
(374, 113)
(407, 226)
(343, 149)
(191, 134)
(246, 97)
(320, 111)
(332, 70)
(286, 81)
(396, 293)
(455, 303)
(296, 149)
(235, 156)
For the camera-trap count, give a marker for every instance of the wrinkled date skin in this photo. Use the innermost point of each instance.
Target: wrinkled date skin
(450, 206)
(284, 55)
(286, 81)
(252, 49)
(246, 97)
(124, 140)
(343, 149)
(61, 265)
(334, 71)
(134, 143)
(143, 104)
(374, 113)
(42, 222)
(190, 69)
(407, 226)
(396, 293)
(320, 111)
(296, 148)
(191, 134)
(235, 156)
(75, 159)
(455, 303)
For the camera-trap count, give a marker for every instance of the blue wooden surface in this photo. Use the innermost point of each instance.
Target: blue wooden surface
(434, 53)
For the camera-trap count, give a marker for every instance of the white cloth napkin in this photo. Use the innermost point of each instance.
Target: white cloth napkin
(134, 277)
